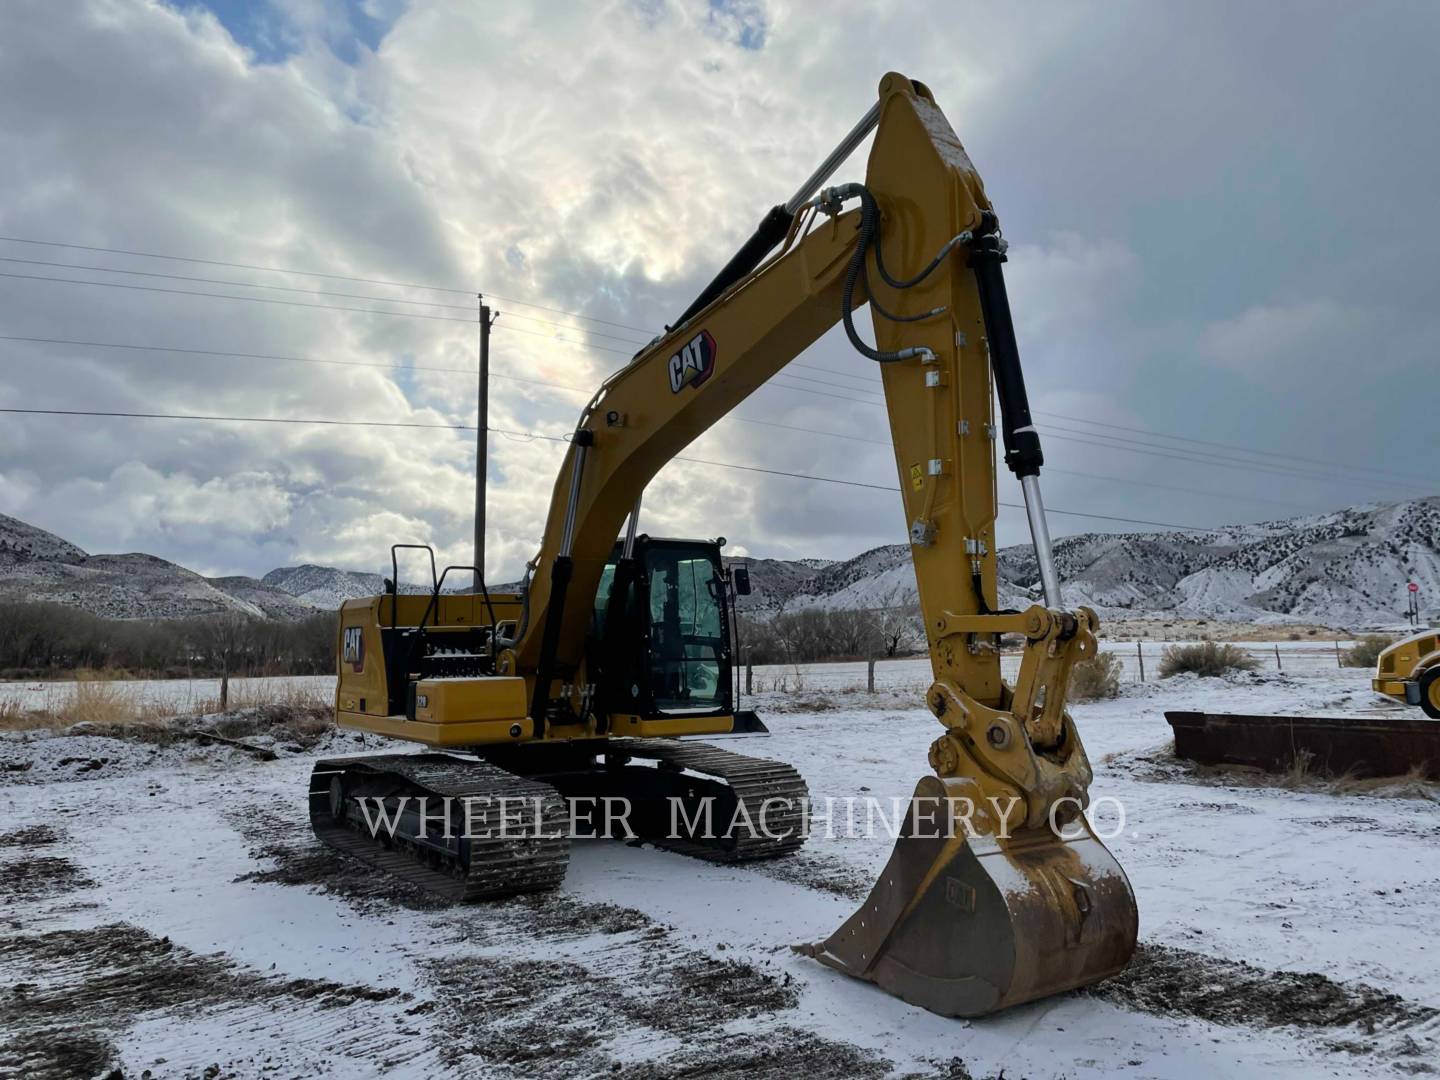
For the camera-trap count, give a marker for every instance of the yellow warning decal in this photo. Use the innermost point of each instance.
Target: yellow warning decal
(917, 477)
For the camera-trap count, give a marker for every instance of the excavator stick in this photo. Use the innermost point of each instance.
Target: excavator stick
(972, 914)
(967, 925)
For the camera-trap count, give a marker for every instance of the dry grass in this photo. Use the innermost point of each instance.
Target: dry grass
(105, 701)
(1163, 766)
(298, 723)
(257, 693)
(1303, 776)
(1096, 678)
(113, 703)
(1206, 659)
(14, 718)
(1366, 652)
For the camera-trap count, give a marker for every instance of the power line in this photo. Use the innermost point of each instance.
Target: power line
(624, 326)
(555, 439)
(1227, 446)
(230, 296)
(1115, 442)
(231, 281)
(237, 419)
(892, 488)
(799, 429)
(1164, 435)
(289, 288)
(1184, 490)
(317, 274)
(369, 364)
(1111, 442)
(400, 314)
(366, 311)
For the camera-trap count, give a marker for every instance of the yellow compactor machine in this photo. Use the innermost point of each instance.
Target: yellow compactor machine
(584, 684)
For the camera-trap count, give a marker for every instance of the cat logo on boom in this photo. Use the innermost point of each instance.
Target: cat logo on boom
(694, 363)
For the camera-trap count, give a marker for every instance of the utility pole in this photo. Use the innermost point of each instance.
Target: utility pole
(482, 438)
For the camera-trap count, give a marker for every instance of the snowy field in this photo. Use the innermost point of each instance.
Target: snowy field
(1294, 657)
(166, 909)
(189, 695)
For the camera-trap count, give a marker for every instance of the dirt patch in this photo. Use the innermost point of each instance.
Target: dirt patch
(93, 750)
(566, 917)
(40, 877)
(906, 699)
(780, 1054)
(298, 858)
(1176, 982)
(90, 985)
(31, 836)
(360, 884)
(825, 873)
(556, 1018)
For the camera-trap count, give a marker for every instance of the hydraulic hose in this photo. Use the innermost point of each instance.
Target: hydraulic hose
(869, 231)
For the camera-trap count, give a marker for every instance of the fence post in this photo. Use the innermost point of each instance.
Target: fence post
(1278, 666)
(870, 675)
(1339, 661)
(1140, 658)
(749, 675)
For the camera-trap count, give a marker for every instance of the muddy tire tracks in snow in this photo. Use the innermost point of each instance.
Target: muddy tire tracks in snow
(555, 1016)
(626, 998)
(82, 988)
(1361, 1019)
(1172, 982)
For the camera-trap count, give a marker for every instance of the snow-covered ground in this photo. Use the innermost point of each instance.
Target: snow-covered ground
(186, 695)
(183, 696)
(913, 673)
(168, 909)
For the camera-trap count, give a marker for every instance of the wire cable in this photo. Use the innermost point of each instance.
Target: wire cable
(115, 413)
(318, 274)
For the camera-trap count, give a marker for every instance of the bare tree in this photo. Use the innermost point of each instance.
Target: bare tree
(899, 628)
(222, 638)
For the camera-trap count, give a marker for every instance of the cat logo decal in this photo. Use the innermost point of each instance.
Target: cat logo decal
(694, 363)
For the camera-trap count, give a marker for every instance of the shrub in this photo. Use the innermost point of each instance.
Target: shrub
(1366, 651)
(1098, 677)
(1207, 658)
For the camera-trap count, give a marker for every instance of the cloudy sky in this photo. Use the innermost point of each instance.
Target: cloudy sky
(1222, 220)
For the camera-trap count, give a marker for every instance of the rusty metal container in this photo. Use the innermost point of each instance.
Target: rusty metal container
(1359, 746)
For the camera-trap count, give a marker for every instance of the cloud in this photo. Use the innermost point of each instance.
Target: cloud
(605, 159)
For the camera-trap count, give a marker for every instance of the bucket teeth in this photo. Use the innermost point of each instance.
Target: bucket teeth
(965, 926)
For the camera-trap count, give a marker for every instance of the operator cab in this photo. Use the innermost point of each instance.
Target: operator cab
(663, 631)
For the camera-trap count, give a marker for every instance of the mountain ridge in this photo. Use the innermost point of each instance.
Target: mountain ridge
(1347, 567)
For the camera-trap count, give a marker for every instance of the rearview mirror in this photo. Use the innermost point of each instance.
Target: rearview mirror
(741, 579)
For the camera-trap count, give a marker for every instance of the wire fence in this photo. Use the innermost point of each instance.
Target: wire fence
(1140, 662)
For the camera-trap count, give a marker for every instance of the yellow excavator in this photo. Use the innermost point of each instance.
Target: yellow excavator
(581, 688)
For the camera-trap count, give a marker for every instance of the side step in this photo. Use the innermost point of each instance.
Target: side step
(1363, 747)
(443, 861)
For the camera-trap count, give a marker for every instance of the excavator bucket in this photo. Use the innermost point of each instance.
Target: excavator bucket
(965, 926)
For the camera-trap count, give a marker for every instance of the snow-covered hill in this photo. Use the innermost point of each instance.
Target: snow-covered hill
(1349, 567)
(323, 586)
(39, 566)
(1346, 568)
